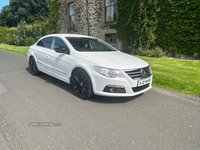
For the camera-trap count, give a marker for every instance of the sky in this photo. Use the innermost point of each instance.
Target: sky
(3, 3)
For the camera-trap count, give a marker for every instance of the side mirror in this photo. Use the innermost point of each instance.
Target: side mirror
(62, 50)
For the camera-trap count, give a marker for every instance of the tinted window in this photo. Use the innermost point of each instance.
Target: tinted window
(46, 42)
(89, 44)
(58, 43)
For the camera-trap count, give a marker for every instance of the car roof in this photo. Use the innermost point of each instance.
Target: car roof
(69, 35)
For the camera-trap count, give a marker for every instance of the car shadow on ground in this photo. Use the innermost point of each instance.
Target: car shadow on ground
(96, 99)
(102, 99)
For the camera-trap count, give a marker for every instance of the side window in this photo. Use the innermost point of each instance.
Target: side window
(58, 43)
(46, 42)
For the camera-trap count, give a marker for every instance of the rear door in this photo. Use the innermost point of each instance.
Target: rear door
(42, 54)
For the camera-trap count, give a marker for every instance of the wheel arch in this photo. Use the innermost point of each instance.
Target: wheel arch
(83, 68)
(31, 56)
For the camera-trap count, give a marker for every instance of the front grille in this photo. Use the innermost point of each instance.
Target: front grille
(140, 88)
(136, 74)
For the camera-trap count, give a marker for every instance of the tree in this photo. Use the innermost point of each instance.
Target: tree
(27, 10)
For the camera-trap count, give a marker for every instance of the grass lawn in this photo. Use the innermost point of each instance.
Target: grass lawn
(14, 49)
(179, 75)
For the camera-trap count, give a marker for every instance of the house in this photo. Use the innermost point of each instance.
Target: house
(90, 17)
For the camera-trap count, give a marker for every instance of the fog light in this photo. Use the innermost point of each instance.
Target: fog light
(112, 90)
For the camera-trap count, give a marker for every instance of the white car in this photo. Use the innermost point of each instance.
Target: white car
(90, 66)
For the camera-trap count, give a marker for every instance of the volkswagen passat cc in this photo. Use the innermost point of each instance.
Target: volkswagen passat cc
(89, 65)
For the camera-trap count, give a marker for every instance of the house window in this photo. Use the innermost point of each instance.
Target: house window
(111, 38)
(110, 11)
(71, 15)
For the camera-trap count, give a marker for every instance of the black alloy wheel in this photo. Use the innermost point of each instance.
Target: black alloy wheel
(81, 84)
(33, 67)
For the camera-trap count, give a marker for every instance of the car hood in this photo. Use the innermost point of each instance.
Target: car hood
(114, 60)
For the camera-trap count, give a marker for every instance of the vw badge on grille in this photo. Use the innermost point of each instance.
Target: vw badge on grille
(143, 73)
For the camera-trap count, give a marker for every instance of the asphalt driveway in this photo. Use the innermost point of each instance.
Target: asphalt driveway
(41, 113)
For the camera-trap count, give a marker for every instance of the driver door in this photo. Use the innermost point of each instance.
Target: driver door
(61, 62)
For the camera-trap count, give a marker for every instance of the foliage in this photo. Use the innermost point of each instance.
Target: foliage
(27, 10)
(54, 25)
(172, 24)
(3, 32)
(51, 25)
(21, 33)
(17, 36)
(136, 23)
(156, 52)
(29, 41)
(28, 34)
(38, 30)
(11, 36)
(179, 25)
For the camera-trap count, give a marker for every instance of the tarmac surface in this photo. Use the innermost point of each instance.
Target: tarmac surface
(42, 113)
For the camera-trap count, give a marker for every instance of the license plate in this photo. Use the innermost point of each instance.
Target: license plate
(144, 81)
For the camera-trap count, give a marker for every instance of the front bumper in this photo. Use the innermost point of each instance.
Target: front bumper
(103, 86)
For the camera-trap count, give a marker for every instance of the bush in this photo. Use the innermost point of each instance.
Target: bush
(11, 36)
(21, 33)
(54, 7)
(17, 36)
(27, 35)
(30, 41)
(3, 32)
(156, 52)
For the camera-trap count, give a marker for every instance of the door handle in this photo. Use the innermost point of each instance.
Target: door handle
(48, 57)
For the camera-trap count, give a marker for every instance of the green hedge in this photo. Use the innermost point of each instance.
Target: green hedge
(3, 32)
(174, 25)
(179, 25)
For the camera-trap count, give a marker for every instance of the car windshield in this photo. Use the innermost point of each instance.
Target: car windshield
(89, 44)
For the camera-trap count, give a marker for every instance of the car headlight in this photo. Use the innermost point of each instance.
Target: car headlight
(111, 73)
(150, 70)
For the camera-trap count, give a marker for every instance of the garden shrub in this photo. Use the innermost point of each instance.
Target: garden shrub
(11, 36)
(3, 32)
(156, 52)
(17, 36)
(21, 33)
(30, 41)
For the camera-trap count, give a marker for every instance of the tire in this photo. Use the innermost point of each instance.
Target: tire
(33, 67)
(81, 84)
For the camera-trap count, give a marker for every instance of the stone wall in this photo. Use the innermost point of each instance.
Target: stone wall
(89, 19)
(95, 21)
(81, 23)
(63, 16)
